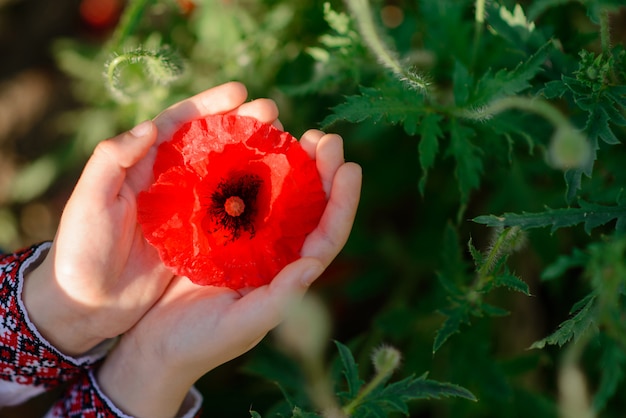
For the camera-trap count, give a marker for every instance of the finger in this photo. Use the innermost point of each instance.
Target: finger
(278, 125)
(105, 171)
(263, 110)
(217, 100)
(325, 242)
(329, 157)
(309, 141)
(263, 309)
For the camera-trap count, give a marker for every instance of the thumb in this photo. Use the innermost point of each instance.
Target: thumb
(265, 307)
(105, 172)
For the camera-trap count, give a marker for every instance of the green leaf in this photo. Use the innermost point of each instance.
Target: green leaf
(512, 282)
(477, 256)
(391, 104)
(508, 83)
(573, 182)
(395, 396)
(612, 365)
(563, 263)
(572, 328)
(428, 146)
(492, 310)
(350, 369)
(412, 388)
(591, 214)
(455, 318)
(598, 126)
(462, 83)
(299, 413)
(469, 164)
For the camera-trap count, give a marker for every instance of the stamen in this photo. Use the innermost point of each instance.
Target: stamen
(234, 206)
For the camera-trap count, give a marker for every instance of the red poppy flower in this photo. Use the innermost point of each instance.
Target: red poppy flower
(232, 203)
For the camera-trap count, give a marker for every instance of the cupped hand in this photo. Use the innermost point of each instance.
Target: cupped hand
(193, 329)
(101, 276)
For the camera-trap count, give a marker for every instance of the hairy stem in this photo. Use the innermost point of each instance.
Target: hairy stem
(479, 13)
(605, 32)
(362, 12)
(128, 22)
(537, 106)
(479, 20)
(502, 246)
(349, 409)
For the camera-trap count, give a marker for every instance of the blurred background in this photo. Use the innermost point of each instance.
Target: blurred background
(76, 72)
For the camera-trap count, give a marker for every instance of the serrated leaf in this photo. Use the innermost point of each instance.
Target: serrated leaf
(469, 164)
(412, 388)
(428, 146)
(395, 396)
(572, 328)
(370, 410)
(554, 89)
(477, 256)
(350, 369)
(507, 83)
(591, 214)
(455, 318)
(598, 126)
(512, 282)
(393, 105)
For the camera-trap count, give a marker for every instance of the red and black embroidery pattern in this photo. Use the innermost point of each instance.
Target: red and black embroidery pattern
(84, 400)
(26, 357)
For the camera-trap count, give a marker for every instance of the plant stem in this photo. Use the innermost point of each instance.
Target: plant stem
(369, 32)
(372, 384)
(479, 13)
(128, 22)
(537, 106)
(503, 244)
(479, 20)
(605, 32)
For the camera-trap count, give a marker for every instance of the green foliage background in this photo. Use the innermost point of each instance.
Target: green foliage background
(489, 246)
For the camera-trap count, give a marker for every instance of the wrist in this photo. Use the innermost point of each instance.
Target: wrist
(140, 383)
(55, 316)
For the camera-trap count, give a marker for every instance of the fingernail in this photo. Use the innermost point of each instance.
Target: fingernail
(310, 275)
(142, 129)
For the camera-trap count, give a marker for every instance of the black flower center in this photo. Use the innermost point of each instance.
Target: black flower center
(233, 204)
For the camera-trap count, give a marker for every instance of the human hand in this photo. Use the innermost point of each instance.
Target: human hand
(192, 329)
(101, 276)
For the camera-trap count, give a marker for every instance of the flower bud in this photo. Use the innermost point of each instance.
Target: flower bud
(568, 149)
(386, 359)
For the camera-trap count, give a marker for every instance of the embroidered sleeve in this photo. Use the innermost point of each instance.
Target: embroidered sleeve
(29, 364)
(85, 399)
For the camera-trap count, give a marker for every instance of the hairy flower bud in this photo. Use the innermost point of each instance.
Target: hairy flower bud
(568, 149)
(386, 359)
